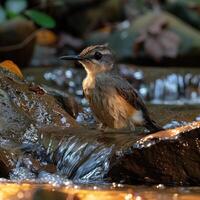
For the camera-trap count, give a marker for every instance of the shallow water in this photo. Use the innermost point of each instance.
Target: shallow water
(27, 191)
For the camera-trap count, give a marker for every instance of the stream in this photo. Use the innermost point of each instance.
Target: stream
(82, 162)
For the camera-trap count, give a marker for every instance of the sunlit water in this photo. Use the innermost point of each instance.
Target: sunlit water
(30, 190)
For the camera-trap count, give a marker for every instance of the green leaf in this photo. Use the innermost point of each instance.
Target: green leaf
(41, 18)
(15, 6)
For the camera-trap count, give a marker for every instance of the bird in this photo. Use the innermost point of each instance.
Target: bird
(113, 100)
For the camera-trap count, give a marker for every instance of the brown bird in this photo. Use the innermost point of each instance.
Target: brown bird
(113, 100)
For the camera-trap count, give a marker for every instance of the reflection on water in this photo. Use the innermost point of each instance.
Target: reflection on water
(26, 191)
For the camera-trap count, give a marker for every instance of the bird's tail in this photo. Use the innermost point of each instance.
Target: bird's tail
(152, 126)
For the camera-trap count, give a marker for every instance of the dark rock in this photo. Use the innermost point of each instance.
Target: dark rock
(169, 157)
(17, 41)
(6, 163)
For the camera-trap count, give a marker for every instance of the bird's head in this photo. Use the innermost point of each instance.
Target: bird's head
(95, 59)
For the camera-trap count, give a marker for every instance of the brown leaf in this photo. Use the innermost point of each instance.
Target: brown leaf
(12, 67)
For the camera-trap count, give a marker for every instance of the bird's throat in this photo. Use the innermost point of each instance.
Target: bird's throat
(89, 81)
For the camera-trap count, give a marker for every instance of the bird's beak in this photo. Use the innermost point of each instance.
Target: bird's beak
(75, 57)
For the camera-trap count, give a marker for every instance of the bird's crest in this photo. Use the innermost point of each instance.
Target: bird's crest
(90, 49)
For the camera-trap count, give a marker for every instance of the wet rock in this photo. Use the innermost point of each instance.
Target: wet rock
(34, 104)
(169, 157)
(23, 108)
(67, 102)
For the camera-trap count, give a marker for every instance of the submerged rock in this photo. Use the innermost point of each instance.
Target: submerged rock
(169, 157)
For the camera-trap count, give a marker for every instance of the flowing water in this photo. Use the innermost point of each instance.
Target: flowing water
(174, 90)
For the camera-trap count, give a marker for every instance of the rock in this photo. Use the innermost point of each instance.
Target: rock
(17, 41)
(24, 107)
(33, 103)
(67, 102)
(169, 157)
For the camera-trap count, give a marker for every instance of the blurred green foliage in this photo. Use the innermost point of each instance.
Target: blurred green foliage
(16, 8)
(40, 18)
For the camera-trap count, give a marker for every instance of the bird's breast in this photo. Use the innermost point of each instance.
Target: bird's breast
(89, 83)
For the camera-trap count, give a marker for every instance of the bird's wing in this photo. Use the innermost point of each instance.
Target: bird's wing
(126, 90)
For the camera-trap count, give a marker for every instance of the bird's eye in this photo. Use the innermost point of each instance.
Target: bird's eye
(97, 55)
